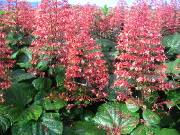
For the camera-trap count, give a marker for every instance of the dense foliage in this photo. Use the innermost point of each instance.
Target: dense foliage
(85, 70)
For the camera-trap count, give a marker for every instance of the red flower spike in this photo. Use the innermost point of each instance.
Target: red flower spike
(142, 52)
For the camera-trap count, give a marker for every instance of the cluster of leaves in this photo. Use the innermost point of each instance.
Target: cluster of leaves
(33, 105)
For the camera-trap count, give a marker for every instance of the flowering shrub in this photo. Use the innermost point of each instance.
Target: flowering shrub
(140, 64)
(5, 61)
(71, 69)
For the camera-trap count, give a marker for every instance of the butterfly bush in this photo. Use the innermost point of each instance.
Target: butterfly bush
(140, 65)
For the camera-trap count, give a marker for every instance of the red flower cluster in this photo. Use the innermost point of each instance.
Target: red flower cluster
(25, 15)
(49, 26)
(140, 63)
(84, 58)
(111, 24)
(5, 61)
(167, 14)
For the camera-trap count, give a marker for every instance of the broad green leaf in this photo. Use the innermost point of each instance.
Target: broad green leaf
(5, 123)
(173, 43)
(19, 95)
(42, 84)
(116, 115)
(53, 104)
(174, 98)
(140, 130)
(8, 115)
(151, 117)
(21, 75)
(49, 124)
(168, 131)
(173, 67)
(31, 113)
(145, 130)
(22, 56)
(87, 128)
(25, 65)
(42, 65)
(132, 105)
(52, 122)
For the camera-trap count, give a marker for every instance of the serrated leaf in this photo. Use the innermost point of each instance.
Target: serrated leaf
(87, 128)
(173, 67)
(21, 75)
(132, 106)
(53, 104)
(50, 124)
(116, 115)
(31, 113)
(25, 65)
(151, 117)
(42, 65)
(168, 131)
(5, 123)
(145, 130)
(42, 84)
(174, 98)
(22, 56)
(8, 115)
(173, 43)
(19, 95)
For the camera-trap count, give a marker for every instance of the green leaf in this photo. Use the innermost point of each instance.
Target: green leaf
(132, 105)
(5, 123)
(42, 65)
(8, 115)
(21, 75)
(31, 113)
(23, 55)
(86, 128)
(174, 98)
(168, 131)
(116, 115)
(53, 104)
(105, 10)
(145, 130)
(173, 43)
(140, 130)
(42, 84)
(173, 67)
(49, 124)
(25, 65)
(151, 117)
(19, 95)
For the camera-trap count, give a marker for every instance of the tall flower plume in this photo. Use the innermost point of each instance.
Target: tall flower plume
(140, 65)
(85, 66)
(5, 59)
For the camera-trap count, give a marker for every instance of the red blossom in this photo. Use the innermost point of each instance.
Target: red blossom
(142, 52)
(84, 59)
(6, 63)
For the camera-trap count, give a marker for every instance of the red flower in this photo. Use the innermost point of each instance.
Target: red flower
(84, 58)
(5, 61)
(142, 52)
